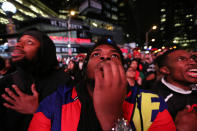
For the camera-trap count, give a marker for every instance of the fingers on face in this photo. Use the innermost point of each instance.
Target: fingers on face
(122, 74)
(110, 71)
(98, 76)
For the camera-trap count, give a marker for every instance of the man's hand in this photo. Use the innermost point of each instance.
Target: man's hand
(186, 121)
(21, 102)
(109, 92)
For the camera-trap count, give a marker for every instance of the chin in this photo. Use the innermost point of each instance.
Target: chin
(17, 59)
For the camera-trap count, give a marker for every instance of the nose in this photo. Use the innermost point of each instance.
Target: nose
(105, 58)
(19, 44)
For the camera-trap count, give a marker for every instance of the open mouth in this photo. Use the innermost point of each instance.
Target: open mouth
(192, 73)
(17, 54)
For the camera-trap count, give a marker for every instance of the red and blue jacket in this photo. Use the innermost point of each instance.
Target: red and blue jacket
(61, 112)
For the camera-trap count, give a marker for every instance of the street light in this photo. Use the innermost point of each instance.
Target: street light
(72, 13)
(153, 40)
(8, 7)
(10, 10)
(152, 28)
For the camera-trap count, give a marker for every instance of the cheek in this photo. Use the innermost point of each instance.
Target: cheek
(31, 53)
(92, 63)
(179, 74)
(90, 70)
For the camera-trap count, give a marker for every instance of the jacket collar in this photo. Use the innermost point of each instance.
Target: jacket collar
(175, 88)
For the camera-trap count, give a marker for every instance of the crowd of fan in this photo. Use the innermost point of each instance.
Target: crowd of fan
(31, 78)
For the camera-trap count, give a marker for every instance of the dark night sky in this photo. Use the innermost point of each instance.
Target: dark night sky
(141, 17)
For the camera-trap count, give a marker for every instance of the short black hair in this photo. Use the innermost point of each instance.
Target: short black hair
(103, 41)
(162, 59)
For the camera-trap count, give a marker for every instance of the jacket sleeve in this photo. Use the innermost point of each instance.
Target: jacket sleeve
(40, 123)
(163, 122)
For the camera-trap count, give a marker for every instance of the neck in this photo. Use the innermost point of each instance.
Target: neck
(180, 84)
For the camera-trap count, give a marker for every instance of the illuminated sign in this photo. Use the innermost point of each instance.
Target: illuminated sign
(65, 50)
(64, 24)
(62, 39)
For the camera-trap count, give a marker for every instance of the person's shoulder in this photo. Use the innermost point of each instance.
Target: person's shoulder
(49, 103)
(60, 93)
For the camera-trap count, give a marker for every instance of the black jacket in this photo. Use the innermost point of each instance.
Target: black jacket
(43, 72)
(175, 101)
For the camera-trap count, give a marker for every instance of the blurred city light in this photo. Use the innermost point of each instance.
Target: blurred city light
(72, 12)
(109, 40)
(8, 7)
(153, 40)
(69, 45)
(147, 33)
(94, 24)
(154, 27)
(175, 41)
(150, 47)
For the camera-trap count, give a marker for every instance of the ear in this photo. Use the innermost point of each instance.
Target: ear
(164, 70)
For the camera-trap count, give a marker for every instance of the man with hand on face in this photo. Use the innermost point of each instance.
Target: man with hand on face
(100, 101)
(35, 59)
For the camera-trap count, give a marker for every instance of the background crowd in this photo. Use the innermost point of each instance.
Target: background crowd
(30, 78)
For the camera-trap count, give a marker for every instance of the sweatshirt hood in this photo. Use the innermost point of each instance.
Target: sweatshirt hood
(46, 57)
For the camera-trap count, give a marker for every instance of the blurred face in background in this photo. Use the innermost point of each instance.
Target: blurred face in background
(130, 73)
(136, 55)
(148, 58)
(27, 47)
(71, 65)
(134, 65)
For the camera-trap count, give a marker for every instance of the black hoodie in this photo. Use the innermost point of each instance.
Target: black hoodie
(42, 71)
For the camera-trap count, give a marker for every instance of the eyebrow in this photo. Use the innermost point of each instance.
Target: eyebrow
(115, 51)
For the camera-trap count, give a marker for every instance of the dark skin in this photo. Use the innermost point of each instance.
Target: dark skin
(21, 102)
(105, 68)
(186, 121)
(27, 47)
(178, 69)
